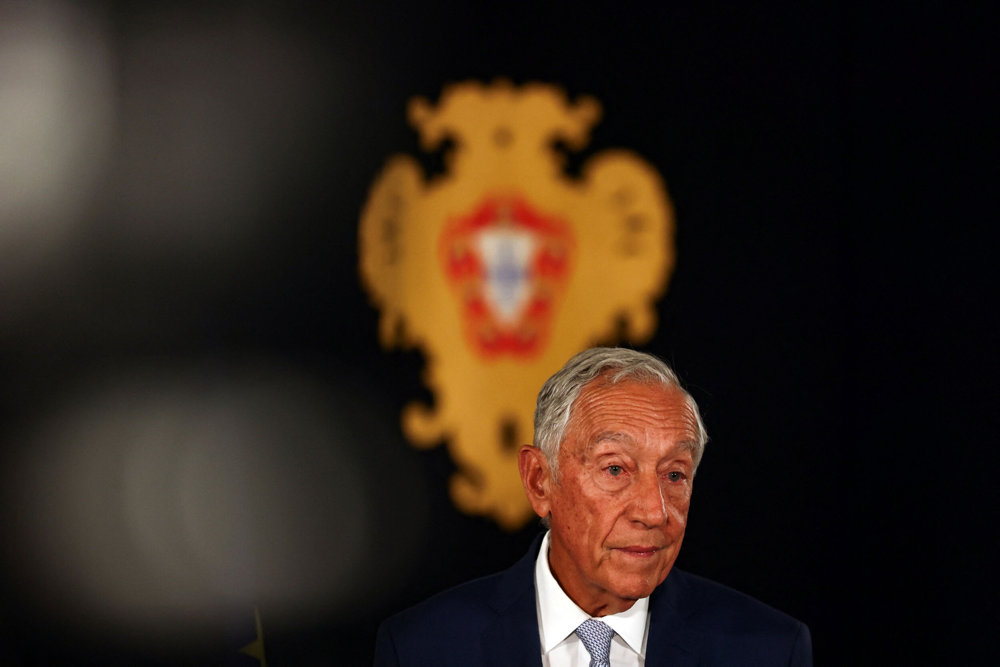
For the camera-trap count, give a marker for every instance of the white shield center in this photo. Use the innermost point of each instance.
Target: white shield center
(507, 253)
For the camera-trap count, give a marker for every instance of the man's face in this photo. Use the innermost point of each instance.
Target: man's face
(619, 503)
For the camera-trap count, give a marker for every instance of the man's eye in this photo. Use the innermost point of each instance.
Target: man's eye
(614, 471)
(675, 476)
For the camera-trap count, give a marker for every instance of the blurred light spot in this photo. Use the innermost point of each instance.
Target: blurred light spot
(160, 500)
(150, 153)
(56, 121)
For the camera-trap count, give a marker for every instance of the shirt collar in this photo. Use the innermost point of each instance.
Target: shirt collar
(559, 616)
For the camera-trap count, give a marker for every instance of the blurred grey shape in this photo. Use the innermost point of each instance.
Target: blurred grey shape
(158, 500)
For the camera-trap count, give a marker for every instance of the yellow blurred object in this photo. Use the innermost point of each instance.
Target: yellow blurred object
(503, 267)
(255, 649)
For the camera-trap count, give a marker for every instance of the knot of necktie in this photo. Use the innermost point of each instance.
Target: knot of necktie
(596, 637)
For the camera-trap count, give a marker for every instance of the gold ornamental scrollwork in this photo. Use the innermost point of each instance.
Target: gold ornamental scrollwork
(502, 267)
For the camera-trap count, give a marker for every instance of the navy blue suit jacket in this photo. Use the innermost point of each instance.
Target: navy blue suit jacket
(492, 621)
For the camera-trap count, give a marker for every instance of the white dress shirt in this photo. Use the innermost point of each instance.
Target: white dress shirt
(559, 617)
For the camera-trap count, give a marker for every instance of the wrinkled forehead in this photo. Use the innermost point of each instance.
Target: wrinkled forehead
(602, 400)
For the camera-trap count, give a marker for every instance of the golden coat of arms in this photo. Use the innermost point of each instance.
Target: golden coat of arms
(504, 266)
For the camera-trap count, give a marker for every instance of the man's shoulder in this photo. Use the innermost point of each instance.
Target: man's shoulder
(703, 601)
(457, 623)
(478, 600)
(465, 602)
(725, 626)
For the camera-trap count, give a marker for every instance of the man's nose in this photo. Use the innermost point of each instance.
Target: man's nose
(649, 506)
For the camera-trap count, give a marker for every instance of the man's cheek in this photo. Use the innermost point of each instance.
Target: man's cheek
(678, 514)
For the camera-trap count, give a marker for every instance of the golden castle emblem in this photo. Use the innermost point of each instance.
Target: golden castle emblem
(503, 267)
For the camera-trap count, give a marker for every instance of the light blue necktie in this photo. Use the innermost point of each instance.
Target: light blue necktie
(596, 636)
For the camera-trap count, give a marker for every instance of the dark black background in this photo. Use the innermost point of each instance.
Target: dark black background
(833, 307)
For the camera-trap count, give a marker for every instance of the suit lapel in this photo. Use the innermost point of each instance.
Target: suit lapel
(512, 639)
(671, 641)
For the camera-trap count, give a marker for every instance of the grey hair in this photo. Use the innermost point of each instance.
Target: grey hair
(614, 364)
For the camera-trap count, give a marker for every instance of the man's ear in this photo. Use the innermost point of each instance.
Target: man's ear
(536, 478)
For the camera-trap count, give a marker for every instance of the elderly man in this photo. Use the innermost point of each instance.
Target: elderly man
(617, 443)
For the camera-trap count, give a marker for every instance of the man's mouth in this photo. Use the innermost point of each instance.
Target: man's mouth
(639, 551)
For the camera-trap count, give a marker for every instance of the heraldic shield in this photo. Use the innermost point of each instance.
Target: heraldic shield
(504, 266)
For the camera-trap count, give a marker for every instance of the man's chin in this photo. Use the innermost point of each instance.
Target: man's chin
(641, 582)
(636, 589)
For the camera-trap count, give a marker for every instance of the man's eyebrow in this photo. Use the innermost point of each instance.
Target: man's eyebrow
(690, 445)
